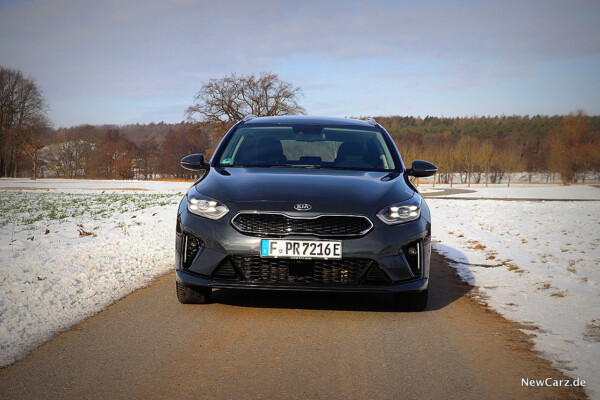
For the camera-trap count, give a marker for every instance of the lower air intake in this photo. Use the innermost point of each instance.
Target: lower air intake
(226, 271)
(273, 270)
(376, 275)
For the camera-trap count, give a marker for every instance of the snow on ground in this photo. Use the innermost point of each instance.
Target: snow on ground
(67, 253)
(535, 262)
(520, 191)
(92, 185)
(69, 248)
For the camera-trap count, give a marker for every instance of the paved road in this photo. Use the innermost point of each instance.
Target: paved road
(286, 345)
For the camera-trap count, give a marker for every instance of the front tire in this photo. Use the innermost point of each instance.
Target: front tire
(412, 301)
(189, 295)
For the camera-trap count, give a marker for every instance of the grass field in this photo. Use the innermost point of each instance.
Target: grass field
(24, 208)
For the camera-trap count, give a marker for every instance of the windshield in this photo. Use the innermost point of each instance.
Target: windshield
(307, 146)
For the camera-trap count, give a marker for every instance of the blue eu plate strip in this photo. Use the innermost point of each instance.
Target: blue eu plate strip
(264, 250)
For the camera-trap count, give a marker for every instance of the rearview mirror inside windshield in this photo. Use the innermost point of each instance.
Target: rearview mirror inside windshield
(309, 133)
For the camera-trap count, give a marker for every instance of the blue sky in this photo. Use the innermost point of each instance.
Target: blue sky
(143, 61)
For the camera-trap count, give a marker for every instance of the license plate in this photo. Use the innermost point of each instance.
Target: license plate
(305, 249)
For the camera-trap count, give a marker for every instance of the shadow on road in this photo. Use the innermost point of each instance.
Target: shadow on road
(445, 288)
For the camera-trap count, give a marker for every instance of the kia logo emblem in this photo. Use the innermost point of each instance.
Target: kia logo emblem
(302, 207)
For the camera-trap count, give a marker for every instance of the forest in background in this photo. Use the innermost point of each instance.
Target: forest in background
(489, 149)
(474, 149)
(478, 149)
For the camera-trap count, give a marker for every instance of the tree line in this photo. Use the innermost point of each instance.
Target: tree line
(147, 151)
(490, 149)
(472, 150)
(468, 150)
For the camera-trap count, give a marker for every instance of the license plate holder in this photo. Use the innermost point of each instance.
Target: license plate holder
(301, 268)
(301, 249)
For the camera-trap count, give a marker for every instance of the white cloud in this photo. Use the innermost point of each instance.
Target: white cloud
(139, 49)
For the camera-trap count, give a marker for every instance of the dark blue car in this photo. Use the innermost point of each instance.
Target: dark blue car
(305, 203)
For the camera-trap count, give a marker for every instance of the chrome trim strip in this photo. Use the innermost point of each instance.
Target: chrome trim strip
(185, 250)
(361, 233)
(419, 256)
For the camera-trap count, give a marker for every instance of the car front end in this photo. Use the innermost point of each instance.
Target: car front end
(301, 226)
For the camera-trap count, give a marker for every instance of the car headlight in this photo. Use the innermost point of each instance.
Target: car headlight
(402, 212)
(205, 206)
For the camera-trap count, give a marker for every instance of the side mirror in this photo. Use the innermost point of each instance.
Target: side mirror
(195, 162)
(421, 169)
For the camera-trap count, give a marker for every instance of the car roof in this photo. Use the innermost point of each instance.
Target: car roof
(304, 119)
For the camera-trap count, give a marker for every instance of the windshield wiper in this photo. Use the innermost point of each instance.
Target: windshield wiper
(277, 166)
(298, 166)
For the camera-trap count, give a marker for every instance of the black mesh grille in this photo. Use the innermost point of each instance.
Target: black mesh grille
(273, 270)
(225, 270)
(279, 224)
(377, 275)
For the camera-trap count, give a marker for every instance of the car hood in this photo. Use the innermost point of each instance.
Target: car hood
(304, 185)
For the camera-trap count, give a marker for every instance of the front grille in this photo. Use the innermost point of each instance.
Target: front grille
(262, 224)
(273, 270)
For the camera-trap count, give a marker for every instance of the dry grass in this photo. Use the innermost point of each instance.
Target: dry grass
(173, 180)
(477, 245)
(513, 267)
(83, 233)
(491, 254)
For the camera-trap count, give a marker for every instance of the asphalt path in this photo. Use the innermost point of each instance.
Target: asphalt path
(266, 345)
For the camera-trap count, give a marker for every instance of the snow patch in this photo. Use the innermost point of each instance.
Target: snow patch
(56, 270)
(537, 263)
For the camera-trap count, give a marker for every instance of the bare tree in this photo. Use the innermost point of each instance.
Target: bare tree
(509, 160)
(232, 97)
(450, 160)
(33, 140)
(148, 157)
(571, 147)
(22, 107)
(114, 158)
(71, 150)
(466, 150)
(488, 158)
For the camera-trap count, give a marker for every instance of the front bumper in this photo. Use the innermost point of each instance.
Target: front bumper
(383, 247)
(193, 280)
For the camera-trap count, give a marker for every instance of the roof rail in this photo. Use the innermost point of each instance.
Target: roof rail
(372, 121)
(249, 117)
